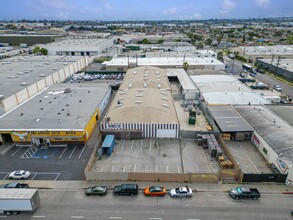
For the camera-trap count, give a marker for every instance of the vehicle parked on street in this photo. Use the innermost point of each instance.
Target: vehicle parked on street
(244, 193)
(126, 189)
(13, 201)
(155, 191)
(96, 190)
(19, 174)
(277, 88)
(181, 192)
(15, 185)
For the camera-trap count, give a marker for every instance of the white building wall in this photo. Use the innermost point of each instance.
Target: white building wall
(22, 95)
(9, 103)
(32, 90)
(105, 101)
(41, 84)
(49, 80)
(55, 78)
(61, 75)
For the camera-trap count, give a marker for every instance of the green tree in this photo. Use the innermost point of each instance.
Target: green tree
(36, 49)
(208, 41)
(160, 41)
(185, 66)
(145, 41)
(290, 39)
(220, 55)
(200, 45)
(44, 51)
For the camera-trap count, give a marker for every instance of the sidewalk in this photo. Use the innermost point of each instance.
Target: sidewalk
(199, 187)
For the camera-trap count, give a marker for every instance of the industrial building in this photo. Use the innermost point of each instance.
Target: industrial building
(230, 124)
(254, 53)
(226, 90)
(79, 47)
(280, 67)
(123, 63)
(143, 107)
(63, 113)
(272, 137)
(186, 86)
(23, 77)
(154, 39)
(183, 52)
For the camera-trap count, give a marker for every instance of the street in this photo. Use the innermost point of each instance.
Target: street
(237, 69)
(73, 204)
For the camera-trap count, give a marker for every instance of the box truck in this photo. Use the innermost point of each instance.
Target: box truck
(14, 201)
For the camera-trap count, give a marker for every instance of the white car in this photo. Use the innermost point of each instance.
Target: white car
(278, 88)
(19, 174)
(181, 192)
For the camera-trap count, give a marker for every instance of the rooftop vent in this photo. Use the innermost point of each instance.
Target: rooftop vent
(23, 84)
(145, 85)
(167, 106)
(137, 102)
(41, 75)
(67, 90)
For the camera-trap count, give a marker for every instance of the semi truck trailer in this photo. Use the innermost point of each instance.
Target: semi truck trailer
(16, 200)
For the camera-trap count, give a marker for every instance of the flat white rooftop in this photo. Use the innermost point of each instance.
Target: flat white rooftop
(268, 50)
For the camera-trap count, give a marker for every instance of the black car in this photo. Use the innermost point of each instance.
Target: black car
(126, 189)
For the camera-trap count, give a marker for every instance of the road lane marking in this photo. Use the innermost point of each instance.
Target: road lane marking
(193, 219)
(115, 217)
(5, 176)
(74, 216)
(81, 152)
(62, 153)
(39, 216)
(34, 176)
(155, 218)
(132, 145)
(16, 151)
(3, 216)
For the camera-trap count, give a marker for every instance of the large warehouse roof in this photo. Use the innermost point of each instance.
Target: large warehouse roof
(227, 119)
(286, 64)
(268, 50)
(143, 97)
(277, 133)
(19, 72)
(54, 109)
(165, 61)
(226, 90)
(87, 44)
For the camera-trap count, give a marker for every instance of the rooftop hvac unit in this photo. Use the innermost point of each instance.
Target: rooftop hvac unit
(159, 85)
(145, 85)
(41, 75)
(23, 84)
(129, 85)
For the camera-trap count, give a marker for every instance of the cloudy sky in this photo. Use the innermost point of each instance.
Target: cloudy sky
(143, 9)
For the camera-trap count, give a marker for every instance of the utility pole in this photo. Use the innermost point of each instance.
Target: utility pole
(277, 68)
(232, 67)
(272, 59)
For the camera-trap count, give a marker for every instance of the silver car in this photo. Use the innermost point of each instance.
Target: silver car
(181, 192)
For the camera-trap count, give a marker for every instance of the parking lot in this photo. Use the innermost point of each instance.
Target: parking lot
(248, 157)
(63, 162)
(161, 156)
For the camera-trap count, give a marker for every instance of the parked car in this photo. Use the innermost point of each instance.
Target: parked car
(15, 185)
(126, 189)
(19, 174)
(231, 56)
(96, 190)
(244, 193)
(260, 70)
(242, 75)
(252, 74)
(181, 192)
(277, 88)
(155, 191)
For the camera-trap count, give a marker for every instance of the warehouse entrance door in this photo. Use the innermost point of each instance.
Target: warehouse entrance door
(166, 133)
(6, 138)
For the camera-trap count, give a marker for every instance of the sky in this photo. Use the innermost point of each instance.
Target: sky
(143, 9)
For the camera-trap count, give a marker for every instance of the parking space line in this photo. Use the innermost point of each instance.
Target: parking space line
(81, 152)
(141, 142)
(144, 168)
(132, 145)
(122, 145)
(62, 152)
(134, 168)
(72, 152)
(167, 169)
(156, 168)
(151, 145)
(39, 216)
(34, 176)
(113, 168)
(102, 169)
(238, 157)
(115, 217)
(5, 176)
(123, 168)
(178, 169)
(16, 151)
(77, 216)
(57, 176)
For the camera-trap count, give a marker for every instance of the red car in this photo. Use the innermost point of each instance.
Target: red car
(155, 191)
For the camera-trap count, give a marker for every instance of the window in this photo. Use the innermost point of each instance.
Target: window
(265, 150)
(58, 139)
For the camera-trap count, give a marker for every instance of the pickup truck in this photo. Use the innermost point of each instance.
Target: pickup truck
(244, 193)
(15, 185)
